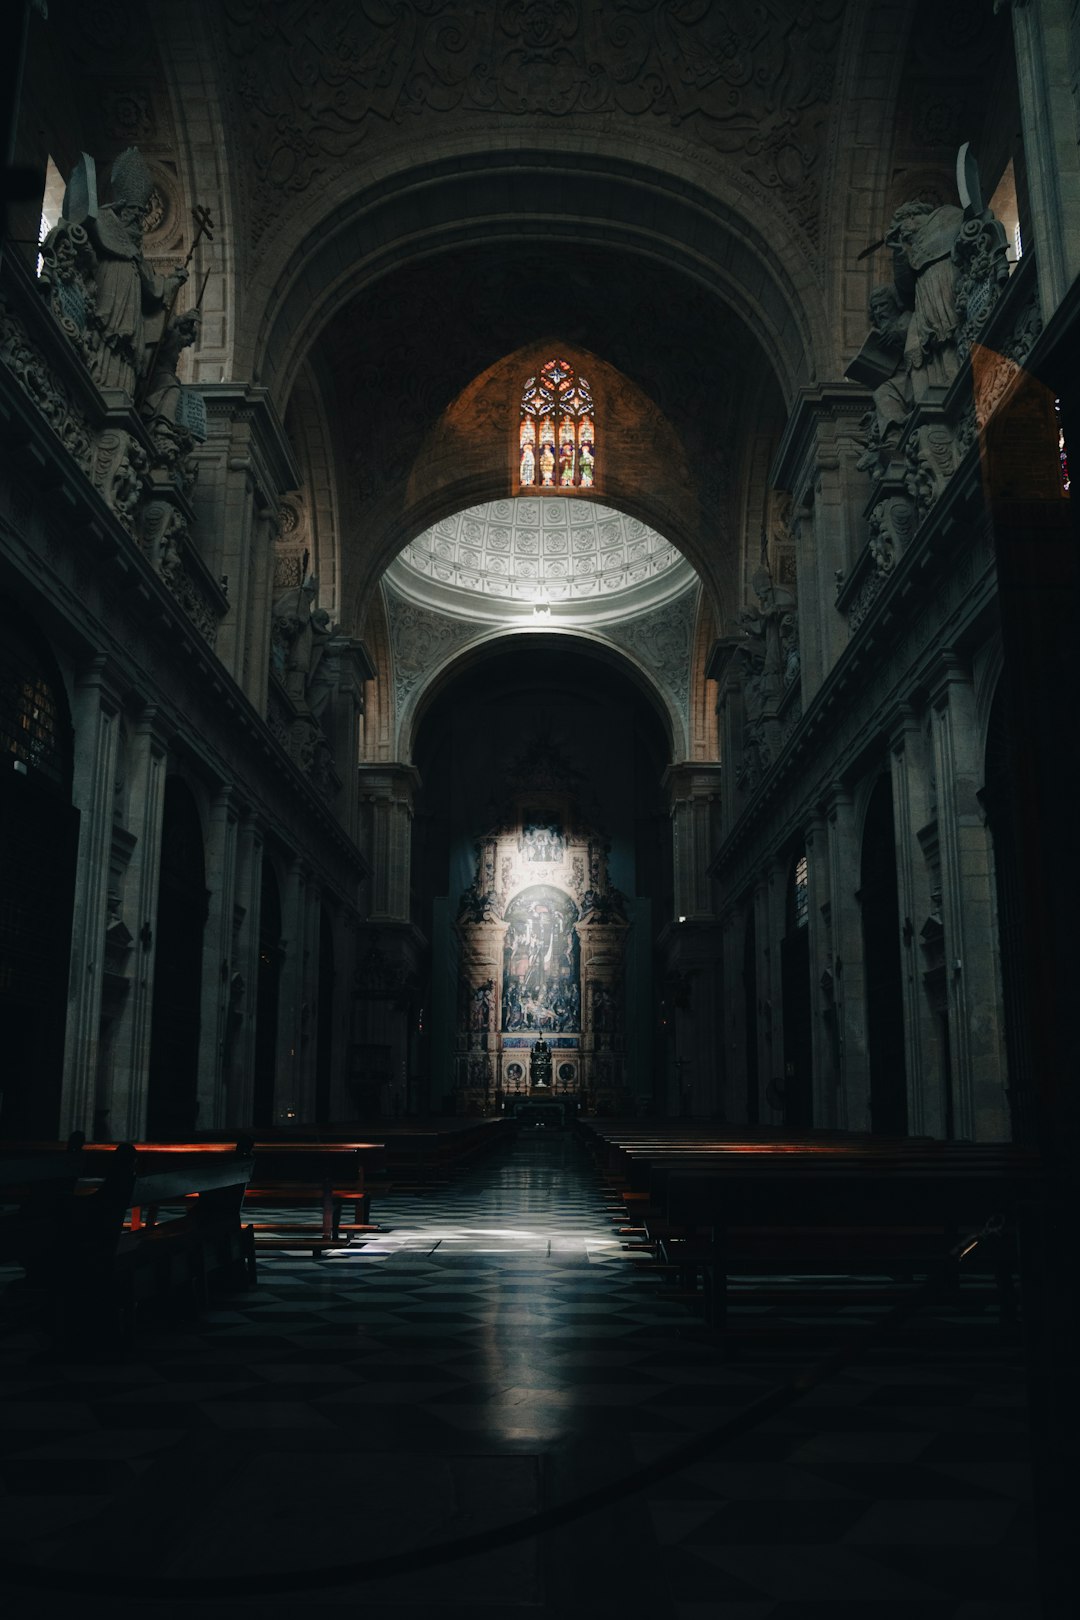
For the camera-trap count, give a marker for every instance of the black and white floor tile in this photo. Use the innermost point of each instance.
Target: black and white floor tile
(494, 1352)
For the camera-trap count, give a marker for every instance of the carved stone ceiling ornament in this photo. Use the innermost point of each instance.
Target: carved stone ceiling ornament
(748, 81)
(498, 560)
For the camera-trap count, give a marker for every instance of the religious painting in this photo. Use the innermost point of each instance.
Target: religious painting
(541, 963)
(527, 469)
(542, 841)
(566, 454)
(547, 453)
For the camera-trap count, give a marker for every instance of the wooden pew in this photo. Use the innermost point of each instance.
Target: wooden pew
(99, 1248)
(755, 1203)
(324, 1176)
(34, 1185)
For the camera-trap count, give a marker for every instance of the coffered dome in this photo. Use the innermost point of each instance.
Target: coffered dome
(507, 558)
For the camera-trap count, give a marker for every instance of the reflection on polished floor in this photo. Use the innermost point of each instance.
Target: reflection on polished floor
(493, 1353)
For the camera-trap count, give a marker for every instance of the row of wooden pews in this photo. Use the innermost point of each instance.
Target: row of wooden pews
(716, 1205)
(407, 1154)
(82, 1223)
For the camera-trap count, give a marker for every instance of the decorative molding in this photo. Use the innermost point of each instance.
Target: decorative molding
(661, 643)
(421, 640)
(746, 82)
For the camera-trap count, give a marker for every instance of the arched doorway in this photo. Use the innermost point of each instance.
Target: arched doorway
(881, 950)
(172, 1098)
(267, 996)
(38, 841)
(538, 869)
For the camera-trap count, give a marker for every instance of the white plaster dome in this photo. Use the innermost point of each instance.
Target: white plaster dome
(504, 559)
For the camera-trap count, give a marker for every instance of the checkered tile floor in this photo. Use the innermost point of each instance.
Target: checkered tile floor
(493, 1352)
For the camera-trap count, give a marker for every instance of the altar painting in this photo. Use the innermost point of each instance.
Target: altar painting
(541, 963)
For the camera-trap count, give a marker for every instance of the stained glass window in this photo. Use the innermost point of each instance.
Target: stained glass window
(557, 434)
(1063, 454)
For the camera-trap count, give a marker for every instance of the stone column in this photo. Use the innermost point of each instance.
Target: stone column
(817, 462)
(289, 1077)
(694, 800)
(731, 1035)
(245, 466)
(389, 943)
(1047, 62)
(96, 716)
(926, 1075)
(238, 1067)
(386, 796)
(849, 973)
(776, 883)
(723, 668)
(309, 1005)
(968, 913)
(147, 768)
(762, 1033)
(348, 669)
(221, 851)
(823, 1031)
(693, 952)
(478, 1071)
(603, 1023)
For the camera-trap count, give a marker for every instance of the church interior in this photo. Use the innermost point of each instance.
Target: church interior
(537, 620)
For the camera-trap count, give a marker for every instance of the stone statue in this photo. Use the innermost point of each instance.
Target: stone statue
(299, 637)
(763, 655)
(949, 264)
(166, 407)
(922, 238)
(130, 301)
(164, 389)
(105, 295)
(540, 1065)
(889, 323)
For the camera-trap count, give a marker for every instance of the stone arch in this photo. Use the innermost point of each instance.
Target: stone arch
(458, 661)
(445, 479)
(572, 197)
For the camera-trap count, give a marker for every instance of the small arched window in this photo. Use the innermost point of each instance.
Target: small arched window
(557, 430)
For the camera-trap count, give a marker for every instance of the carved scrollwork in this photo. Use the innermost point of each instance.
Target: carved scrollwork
(46, 391)
(931, 462)
(119, 471)
(982, 269)
(750, 81)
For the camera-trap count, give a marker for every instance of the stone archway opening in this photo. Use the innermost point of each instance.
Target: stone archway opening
(541, 877)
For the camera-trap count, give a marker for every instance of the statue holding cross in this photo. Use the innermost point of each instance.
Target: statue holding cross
(110, 300)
